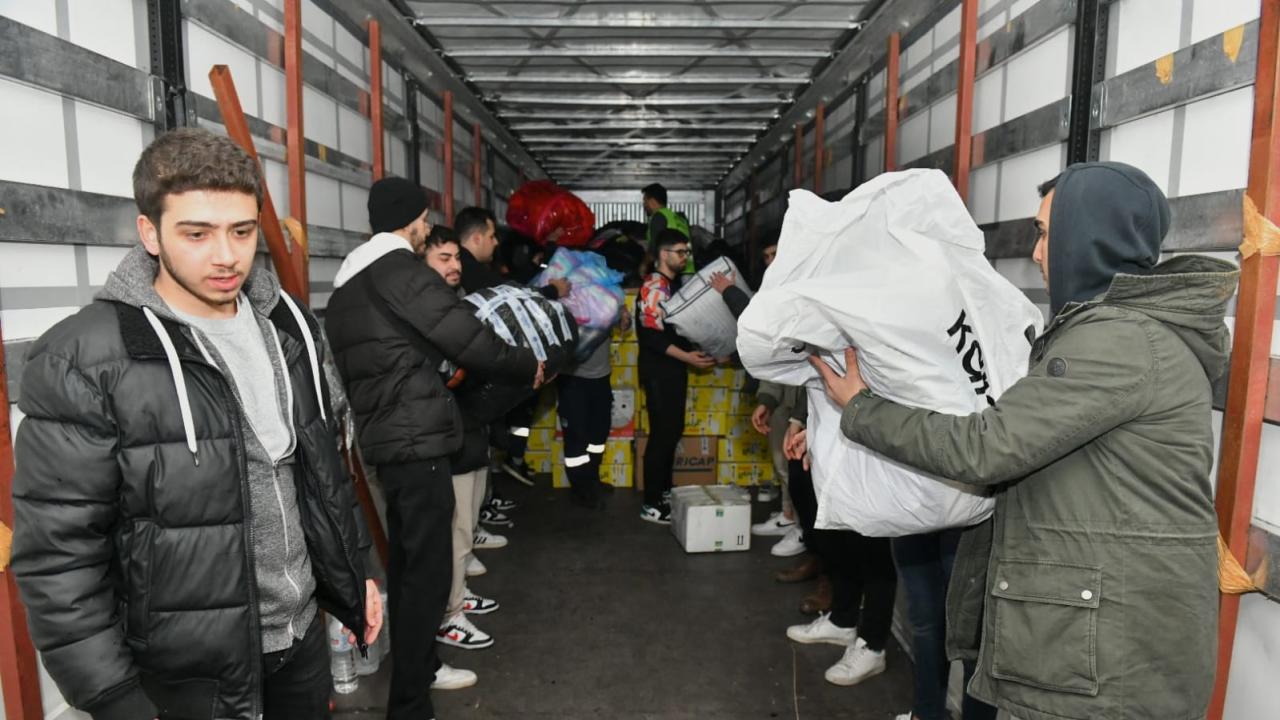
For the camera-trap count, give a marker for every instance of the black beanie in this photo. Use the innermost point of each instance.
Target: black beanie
(394, 203)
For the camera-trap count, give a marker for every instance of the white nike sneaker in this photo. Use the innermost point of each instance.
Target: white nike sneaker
(791, 544)
(858, 664)
(475, 568)
(485, 540)
(776, 526)
(822, 630)
(458, 632)
(452, 678)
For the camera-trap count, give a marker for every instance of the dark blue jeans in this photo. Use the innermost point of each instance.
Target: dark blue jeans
(924, 569)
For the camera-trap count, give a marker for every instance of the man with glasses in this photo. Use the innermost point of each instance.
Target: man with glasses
(664, 361)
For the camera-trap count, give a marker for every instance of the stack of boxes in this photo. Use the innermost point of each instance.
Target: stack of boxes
(719, 445)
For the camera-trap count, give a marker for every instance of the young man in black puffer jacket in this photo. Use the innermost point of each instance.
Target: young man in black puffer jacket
(181, 507)
(393, 321)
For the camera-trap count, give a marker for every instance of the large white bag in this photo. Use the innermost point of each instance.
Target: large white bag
(699, 314)
(895, 269)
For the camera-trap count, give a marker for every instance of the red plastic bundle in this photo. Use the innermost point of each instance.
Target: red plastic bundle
(540, 208)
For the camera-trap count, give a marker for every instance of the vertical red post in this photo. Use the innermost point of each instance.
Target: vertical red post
(19, 671)
(296, 139)
(799, 148)
(477, 149)
(448, 157)
(819, 146)
(1251, 347)
(964, 96)
(375, 101)
(891, 73)
(287, 268)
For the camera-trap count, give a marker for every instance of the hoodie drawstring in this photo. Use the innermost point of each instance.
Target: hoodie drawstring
(179, 382)
(311, 351)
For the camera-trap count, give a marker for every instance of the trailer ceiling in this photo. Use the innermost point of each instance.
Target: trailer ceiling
(608, 94)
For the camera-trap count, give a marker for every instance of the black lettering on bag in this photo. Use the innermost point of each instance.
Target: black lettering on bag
(972, 360)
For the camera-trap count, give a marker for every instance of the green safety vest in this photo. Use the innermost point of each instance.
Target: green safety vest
(675, 221)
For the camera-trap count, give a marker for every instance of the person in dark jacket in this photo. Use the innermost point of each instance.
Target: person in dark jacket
(181, 507)
(664, 362)
(1092, 592)
(393, 322)
(469, 465)
(477, 231)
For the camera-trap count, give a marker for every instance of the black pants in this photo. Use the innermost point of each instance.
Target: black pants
(586, 411)
(420, 531)
(665, 396)
(864, 581)
(517, 424)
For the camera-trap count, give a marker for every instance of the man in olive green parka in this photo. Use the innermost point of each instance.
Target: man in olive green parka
(1092, 592)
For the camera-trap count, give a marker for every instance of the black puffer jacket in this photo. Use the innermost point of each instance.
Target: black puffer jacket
(132, 551)
(392, 322)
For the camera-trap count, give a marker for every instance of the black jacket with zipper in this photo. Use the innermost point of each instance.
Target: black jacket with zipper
(132, 553)
(391, 325)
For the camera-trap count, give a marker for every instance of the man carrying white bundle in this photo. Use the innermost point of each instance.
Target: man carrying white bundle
(1093, 591)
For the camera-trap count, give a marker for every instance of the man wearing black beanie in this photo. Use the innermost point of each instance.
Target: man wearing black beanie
(392, 321)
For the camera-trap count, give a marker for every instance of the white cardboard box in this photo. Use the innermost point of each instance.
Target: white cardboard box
(711, 518)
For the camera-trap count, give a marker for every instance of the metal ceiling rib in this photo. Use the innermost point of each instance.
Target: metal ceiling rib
(602, 92)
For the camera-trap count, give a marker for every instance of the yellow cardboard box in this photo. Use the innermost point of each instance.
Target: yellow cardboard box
(619, 476)
(744, 474)
(702, 379)
(625, 354)
(745, 450)
(705, 423)
(542, 438)
(616, 452)
(739, 426)
(539, 461)
(703, 399)
(624, 377)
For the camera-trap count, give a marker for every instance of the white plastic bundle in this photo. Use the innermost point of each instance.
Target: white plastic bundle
(895, 269)
(700, 315)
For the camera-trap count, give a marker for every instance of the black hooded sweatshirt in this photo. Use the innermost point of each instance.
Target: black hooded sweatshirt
(1107, 218)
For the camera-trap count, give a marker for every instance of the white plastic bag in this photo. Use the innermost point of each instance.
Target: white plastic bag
(700, 315)
(895, 269)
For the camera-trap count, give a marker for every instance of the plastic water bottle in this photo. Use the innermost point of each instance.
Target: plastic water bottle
(342, 664)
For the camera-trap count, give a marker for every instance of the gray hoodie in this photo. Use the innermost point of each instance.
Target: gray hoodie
(285, 584)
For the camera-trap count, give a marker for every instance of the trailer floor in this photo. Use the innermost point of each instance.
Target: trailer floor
(604, 616)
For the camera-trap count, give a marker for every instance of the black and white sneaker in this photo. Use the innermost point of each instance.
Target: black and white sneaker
(489, 516)
(458, 632)
(657, 515)
(473, 604)
(501, 504)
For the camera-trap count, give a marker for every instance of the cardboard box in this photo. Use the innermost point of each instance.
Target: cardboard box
(695, 461)
(740, 427)
(711, 519)
(540, 461)
(744, 474)
(541, 439)
(701, 399)
(625, 354)
(705, 423)
(745, 450)
(627, 378)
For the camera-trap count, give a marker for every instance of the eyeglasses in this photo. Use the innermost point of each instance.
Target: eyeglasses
(677, 253)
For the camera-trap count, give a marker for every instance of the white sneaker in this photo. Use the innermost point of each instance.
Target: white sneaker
(905, 716)
(767, 493)
(776, 526)
(475, 568)
(485, 540)
(473, 604)
(858, 664)
(452, 678)
(458, 632)
(822, 630)
(791, 544)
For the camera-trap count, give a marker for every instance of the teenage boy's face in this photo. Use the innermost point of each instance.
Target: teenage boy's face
(1041, 253)
(444, 260)
(206, 243)
(486, 243)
